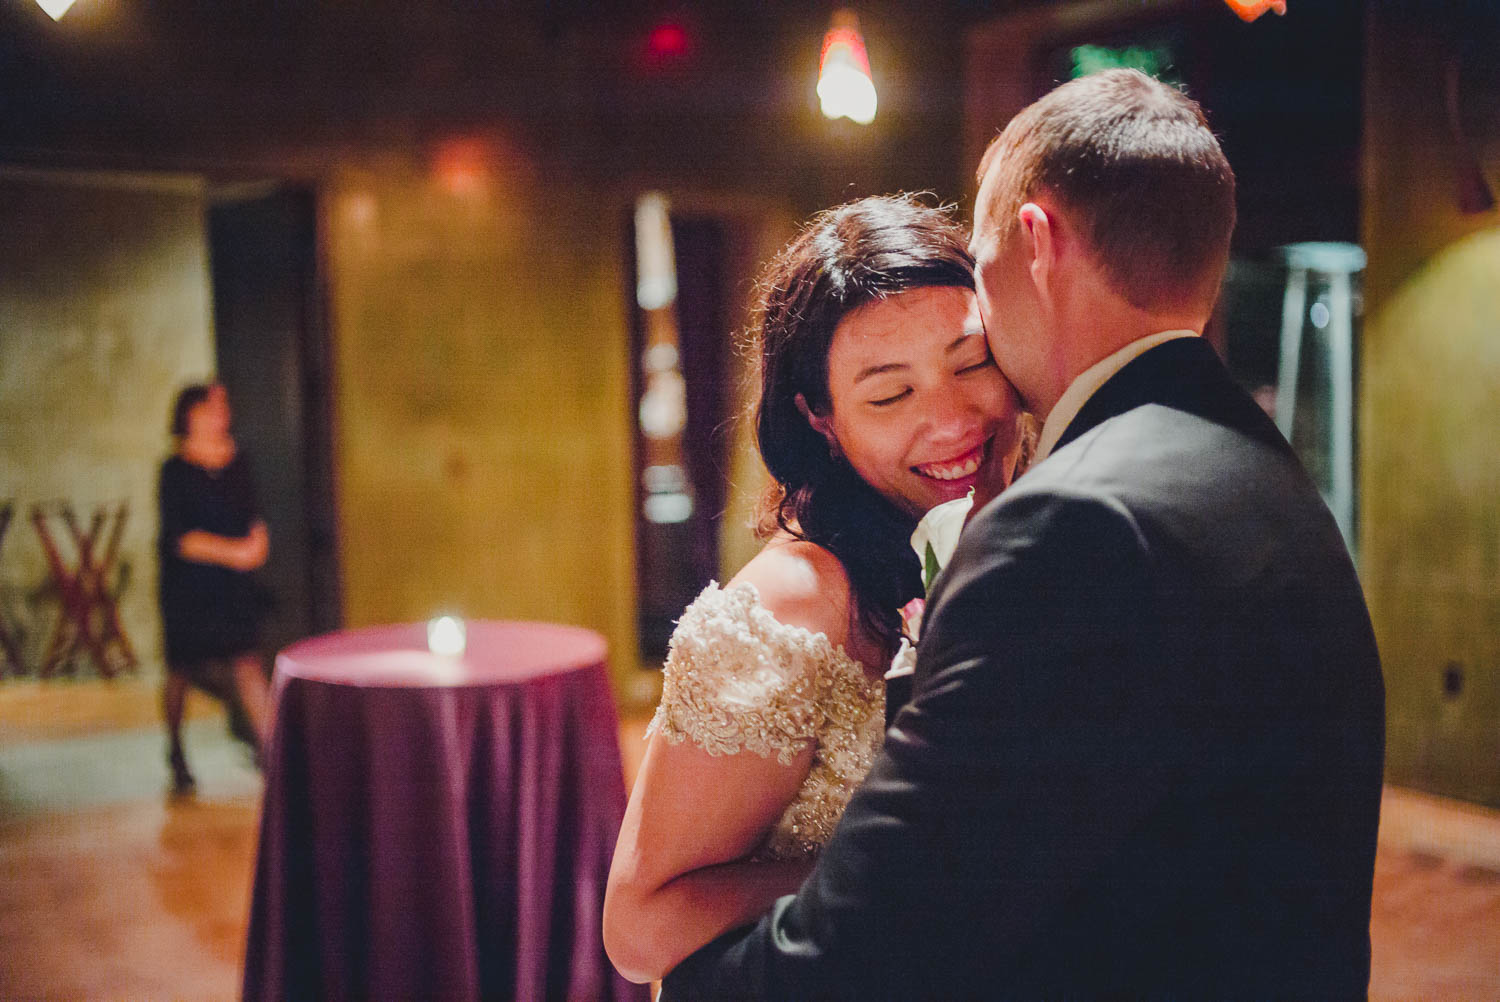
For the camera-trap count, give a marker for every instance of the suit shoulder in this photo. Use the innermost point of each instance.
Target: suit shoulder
(1045, 539)
(1060, 501)
(1154, 440)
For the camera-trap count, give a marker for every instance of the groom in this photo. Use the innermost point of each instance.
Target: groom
(1143, 753)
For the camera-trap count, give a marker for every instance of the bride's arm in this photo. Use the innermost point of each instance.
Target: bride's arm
(680, 877)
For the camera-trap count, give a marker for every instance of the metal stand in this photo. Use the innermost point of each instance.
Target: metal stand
(10, 646)
(90, 613)
(1331, 268)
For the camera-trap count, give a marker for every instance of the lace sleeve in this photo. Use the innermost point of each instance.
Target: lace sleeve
(736, 678)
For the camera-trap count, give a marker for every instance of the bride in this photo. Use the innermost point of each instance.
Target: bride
(879, 399)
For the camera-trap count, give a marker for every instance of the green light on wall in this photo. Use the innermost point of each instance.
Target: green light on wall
(1152, 60)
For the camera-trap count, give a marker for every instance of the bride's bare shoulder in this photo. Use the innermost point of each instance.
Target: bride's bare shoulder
(801, 584)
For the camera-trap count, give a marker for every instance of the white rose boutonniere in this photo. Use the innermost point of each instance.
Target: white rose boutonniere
(934, 541)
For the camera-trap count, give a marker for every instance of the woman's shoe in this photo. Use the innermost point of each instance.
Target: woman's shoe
(183, 783)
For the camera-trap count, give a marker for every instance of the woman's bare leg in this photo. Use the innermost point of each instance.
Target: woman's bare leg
(255, 695)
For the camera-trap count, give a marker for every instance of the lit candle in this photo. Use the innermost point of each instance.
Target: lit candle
(446, 635)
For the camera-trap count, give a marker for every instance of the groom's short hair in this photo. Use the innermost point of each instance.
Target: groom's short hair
(1135, 163)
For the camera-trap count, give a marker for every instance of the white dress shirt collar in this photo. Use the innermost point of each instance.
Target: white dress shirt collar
(1087, 384)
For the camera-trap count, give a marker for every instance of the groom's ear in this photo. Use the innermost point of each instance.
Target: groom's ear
(1039, 238)
(821, 425)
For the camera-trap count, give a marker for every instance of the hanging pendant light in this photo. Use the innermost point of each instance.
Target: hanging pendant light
(1249, 10)
(55, 8)
(845, 89)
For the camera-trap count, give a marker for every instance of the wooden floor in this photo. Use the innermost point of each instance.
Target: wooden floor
(112, 890)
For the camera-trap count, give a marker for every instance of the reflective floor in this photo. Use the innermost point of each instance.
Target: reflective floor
(111, 889)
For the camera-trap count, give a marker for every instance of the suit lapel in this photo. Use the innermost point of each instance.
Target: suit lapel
(1184, 374)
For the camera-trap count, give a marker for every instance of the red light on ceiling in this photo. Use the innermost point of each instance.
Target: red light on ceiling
(463, 166)
(668, 44)
(668, 40)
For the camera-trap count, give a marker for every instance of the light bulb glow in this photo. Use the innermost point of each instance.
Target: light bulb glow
(446, 635)
(55, 8)
(845, 89)
(1249, 10)
(656, 262)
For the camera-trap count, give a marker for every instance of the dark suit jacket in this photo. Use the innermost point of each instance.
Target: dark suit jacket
(1143, 755)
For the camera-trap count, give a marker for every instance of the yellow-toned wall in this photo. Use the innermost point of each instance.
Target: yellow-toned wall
(757, 237)
(104, 315)
(483, 448)
(478, 324)
(1430, 422)
(477, 308)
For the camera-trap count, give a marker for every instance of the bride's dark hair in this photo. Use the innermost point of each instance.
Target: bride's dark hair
(845, 258)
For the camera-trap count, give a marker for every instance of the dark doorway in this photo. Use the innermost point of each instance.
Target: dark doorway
(273, 357)
(680, 355)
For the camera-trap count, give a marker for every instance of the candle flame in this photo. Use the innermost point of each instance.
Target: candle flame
(446, 635)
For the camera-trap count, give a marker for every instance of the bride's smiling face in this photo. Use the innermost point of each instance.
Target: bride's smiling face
(917, 405)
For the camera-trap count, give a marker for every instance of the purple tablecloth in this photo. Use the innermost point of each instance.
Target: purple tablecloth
(434, 827)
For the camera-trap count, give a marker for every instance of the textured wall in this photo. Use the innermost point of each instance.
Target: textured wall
(476, 293)
(1430, 416)
(482, 441)
(758, 234)
(482, 417)
(104, 314)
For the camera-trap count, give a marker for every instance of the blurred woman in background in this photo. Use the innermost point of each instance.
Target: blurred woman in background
(212, 540)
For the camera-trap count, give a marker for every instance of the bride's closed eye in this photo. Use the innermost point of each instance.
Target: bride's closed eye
(986, 363)
(887, 401)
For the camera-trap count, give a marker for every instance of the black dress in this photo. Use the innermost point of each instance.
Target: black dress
(209, 612)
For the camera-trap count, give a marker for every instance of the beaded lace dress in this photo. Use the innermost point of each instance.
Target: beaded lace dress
(738, 679)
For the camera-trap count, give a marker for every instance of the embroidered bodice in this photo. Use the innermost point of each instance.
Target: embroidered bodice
(738, 679)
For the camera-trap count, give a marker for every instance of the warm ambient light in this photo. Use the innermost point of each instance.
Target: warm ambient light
(55, 8)
(1249, 10)
(655, 259)
(446, 635)
(845, 89)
